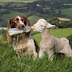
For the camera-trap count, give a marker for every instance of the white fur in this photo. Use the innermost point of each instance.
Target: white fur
(49, 43)
(25, 44)
(20, 20)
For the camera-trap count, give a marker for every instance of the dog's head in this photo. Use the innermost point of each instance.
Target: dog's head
(18, 22)
(41, 25)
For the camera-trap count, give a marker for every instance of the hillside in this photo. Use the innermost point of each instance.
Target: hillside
(25, 1)
(63, 19)
(8, 62)
(39, 8)
(67, 11)
(33, 19)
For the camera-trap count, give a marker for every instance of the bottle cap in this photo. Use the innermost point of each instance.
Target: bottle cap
(32, 27)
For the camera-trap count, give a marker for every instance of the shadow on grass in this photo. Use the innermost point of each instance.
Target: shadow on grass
(70, 40)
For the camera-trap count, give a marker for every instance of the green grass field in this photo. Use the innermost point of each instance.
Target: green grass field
(25, 1)
(67, 11)
(8, 63)
(33, 19)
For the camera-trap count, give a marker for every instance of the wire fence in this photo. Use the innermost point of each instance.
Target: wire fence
(2, 30)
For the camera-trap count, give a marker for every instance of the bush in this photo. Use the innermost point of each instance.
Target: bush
(70, 39)
(65, 24)
(54, 21)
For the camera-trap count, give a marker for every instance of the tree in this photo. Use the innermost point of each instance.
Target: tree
(65, 24)
(54, 21)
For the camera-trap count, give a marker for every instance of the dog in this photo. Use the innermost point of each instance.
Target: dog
(23, 44)
(50, 44)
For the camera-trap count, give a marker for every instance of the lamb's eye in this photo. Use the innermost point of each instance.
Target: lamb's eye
(41, 25)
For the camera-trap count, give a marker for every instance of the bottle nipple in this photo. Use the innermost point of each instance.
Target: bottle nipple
(32, 27)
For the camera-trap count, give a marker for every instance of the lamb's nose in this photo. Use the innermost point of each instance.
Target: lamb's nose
(33, 25)
(22, 25)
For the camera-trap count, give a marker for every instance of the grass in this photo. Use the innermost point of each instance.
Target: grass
(67, 11)
(3, 10)
(33, 19)
(1, 36)
(17, 4)
(8, 63)
(25, 1)
(12, 14)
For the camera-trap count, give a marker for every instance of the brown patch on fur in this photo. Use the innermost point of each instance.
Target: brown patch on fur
(32, 55)
(13, 24)
(36, 46)
(27, 34)
(10, 38)
(26, 22)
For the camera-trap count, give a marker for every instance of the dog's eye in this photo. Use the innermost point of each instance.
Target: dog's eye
(22, 20)
(16, 20)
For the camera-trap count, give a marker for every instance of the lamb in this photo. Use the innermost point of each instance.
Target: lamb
(50, 44)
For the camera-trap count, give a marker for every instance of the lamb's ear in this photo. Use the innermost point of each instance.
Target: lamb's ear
(50, 26)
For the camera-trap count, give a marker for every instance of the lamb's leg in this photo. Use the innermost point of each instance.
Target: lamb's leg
(50, 54)
(69, 53)
(41, 53)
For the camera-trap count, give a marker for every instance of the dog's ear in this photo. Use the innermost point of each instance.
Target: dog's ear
(9, 23)
(49, 26)
(10, 38)
(26, 22)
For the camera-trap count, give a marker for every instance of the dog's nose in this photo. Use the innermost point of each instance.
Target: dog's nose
(22, 25)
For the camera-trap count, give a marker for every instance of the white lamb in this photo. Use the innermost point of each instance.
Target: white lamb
(50, 44)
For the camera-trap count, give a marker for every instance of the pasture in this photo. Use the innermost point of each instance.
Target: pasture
(67, 11)
(8, 62)
(11, 8)
(33, 19)
(25, 1)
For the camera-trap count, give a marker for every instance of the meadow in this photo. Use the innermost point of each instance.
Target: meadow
(67, 11)
(25, 1)
(8, 62)
(46, 10)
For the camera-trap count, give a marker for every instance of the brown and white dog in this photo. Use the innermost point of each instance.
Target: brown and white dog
(22, 43)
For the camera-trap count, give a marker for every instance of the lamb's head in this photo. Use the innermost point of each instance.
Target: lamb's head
(41, 25)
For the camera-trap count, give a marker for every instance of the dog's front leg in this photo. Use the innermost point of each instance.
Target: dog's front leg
(34, 54)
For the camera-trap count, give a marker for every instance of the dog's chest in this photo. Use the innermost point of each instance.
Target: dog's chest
(21, 44)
